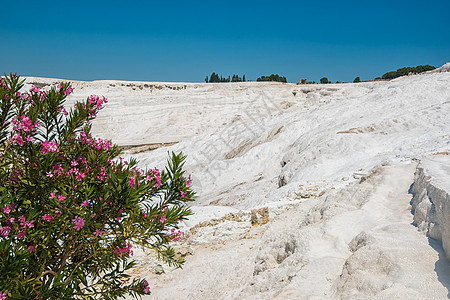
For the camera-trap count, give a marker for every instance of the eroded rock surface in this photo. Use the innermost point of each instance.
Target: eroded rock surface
(431, 201)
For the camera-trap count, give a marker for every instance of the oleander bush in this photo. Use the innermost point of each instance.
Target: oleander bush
(70, 208)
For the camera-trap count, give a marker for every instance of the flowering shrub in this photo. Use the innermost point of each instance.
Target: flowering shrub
(69, 212)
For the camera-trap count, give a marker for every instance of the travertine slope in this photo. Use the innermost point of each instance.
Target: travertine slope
(331, 165)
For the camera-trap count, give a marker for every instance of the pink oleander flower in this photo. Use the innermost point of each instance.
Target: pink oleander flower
(2, 296)
(123, 250)
(163, 219)
(24, 223)
(176, 235)
(17, 139)
(99, 232)
(78, 222)
(49, 147)
(146, 287)
(52, 195)
(34, 89)
(155, 174)
(7, 210)
(47, 218)
(57, 169)
(22, 234)
(183, 194)
(132, 181)
(25, 124)
(4, 231)
(31, 248)
(63, 110)
(80, 176)
(61, 198)
(85, 203)
(69, 90)
(189, 181)
(102, 176)
(49, 174)
(28, 224)
(97, 101)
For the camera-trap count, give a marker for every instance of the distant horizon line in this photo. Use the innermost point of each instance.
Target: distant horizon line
(186, 81)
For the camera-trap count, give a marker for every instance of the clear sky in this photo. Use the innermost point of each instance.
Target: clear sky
(187, 40)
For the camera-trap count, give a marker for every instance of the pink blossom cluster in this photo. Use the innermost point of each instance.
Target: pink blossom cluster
(98, 143)
(68, 91)
(123, 250)
(78, 175)
(35, 90)
(18, 139)
(102, 175)
(176, 234)
(8, 208)
(63, 110)
(49, 147)
(132, 181)
(146, 287)
(21, 228)
(98, 104)
(4, 231)
(189, 181)
(48, 218)
(2, 296)
(24, 123)
(78, 223)
(97, 101)
(99, 232)
(57, 212)
(25, 98)
(57, 170)
(156, 175)
(79, 168)
(24, 223)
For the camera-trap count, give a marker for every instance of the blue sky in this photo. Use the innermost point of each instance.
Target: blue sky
(187, 40)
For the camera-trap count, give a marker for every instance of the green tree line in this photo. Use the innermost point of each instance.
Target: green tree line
(215, 78)
(272, 77)
(406, 70)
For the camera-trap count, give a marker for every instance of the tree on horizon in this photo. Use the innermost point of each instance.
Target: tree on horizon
(407, 70)
(272, 77)
(324, 80)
